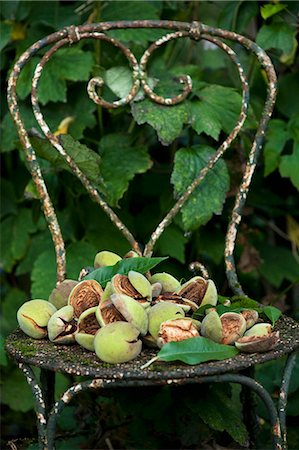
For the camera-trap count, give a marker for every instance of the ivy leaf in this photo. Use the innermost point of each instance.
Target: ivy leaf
(134, 159)
(209, 196)
(195, 351)
(289, 166)
(277, 136)
(138, 264)
(272, 313)
(168, 121)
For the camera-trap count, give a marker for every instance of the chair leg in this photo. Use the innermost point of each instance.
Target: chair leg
(40, 407)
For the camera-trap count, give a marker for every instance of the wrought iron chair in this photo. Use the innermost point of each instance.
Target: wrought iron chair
(46, 356)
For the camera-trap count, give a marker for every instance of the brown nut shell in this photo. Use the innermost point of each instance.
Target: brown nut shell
(176, 330)
(85, 295)
(233, 327)
(258, 344)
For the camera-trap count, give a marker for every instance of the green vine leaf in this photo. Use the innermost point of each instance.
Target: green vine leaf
(168, 121)
(123, 267)
(208, 198)
(134, 159)
(195, 351)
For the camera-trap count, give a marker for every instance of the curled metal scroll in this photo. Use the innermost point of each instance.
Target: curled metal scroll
(195, 31)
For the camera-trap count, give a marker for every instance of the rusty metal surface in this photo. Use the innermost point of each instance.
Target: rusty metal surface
(75, 360)
(195, 31)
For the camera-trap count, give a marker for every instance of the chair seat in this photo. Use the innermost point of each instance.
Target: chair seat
(74, 360)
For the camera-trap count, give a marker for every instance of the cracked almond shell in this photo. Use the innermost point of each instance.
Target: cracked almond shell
(85, 295)
(132, 311)
(33, 317)
(60, 294)
(259, 329)
(258, 344)
(211, 327)
(117, 342)
(224, 329)
(200, 291)
(175, 330)
(105, 258)
(251, 316)
(88, 326)
(160, 313)
(169, 283)
(62, 326)
(233, 327)
(107, 313)
(121, 284)
(141, 284)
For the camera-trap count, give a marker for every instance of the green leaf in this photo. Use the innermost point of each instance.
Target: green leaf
(223, 412)
(71, 64)
(138, 264)
(209, 196)
(5, 34)
(6, 258)
(130, 10)
(221, 105)
(43, 276)
(168, 121)
(172, 243)
(200, 312)
(12, 302)
(134, 159)
(23, 225)
(289, 166)
(86, 159)
(8, 199)
(272, 313)
(195, 351)
(38, 244)
(3, 357)
(270, 10)
(279, 35)
(17, 393)
(204, 118)
(288, 94)
(79, 255)
(277, 136)
(119, 80)
(278, 263)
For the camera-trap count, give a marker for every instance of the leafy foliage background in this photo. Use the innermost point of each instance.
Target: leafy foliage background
(141, 157)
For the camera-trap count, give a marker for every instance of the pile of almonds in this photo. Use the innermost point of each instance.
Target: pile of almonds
(135, 309)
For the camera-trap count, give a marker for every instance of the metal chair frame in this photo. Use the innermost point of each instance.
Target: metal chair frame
(46, 408)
